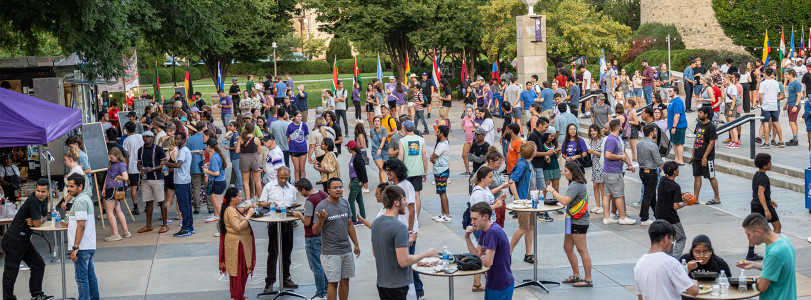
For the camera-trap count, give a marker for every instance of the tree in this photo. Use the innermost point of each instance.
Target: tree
(573, 28)
(455, 28)
(96, 30)
(498, 18)
(39, 43)
(625, 12)
(746, 21)
(287, 45)
(339, 49)
(374, 25)
(314, 47)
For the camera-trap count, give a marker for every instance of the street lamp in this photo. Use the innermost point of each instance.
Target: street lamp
(274, 59)
(530, 6)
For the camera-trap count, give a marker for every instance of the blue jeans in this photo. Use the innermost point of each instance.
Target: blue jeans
(313, 248)
(419, 115)
(86, 275)
(236, 175)
(226, 119)
(183, 193)
(417, 281)
(540, 184)
(648, 93)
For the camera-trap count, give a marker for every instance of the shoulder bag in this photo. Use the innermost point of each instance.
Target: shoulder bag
(585, 161)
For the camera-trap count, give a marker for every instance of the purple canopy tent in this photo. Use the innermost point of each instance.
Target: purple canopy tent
(26, 120)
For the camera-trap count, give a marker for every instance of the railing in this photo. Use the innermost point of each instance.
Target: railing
(750, 118)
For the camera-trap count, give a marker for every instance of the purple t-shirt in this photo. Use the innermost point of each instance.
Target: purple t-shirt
(355, 95)
(612, 144)
(571, 147)
(352, 173)
(115, 170)
(226, 101)
(499, 276)
(297, 134)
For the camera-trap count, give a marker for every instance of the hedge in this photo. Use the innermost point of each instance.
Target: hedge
(680, 59)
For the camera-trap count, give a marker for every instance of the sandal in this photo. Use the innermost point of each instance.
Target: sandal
(583, 283)
(145, 229)
(529, 258)
(478, 288)
(712, 202)
(572, 279)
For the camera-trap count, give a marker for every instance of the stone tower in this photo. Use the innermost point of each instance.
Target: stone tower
(695, 20)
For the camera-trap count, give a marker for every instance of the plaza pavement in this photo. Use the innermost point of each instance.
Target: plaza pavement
(158, 266)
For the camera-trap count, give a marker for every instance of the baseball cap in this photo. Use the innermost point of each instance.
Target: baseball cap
(551, 130)
(233, 79)
(479, 78)
(351, 145)
(424, 74)
(480, 131)
(268, 137)
(194, 109)
(148, 133)
(391, 77)
(408, 125)
(132, 114)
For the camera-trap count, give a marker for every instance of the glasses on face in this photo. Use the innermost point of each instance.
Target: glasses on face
(702, 253)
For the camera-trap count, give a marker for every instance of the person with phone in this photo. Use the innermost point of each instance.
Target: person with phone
(390, 241)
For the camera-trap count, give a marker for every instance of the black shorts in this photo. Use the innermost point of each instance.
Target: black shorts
(706, 172)
(392, 293)
(392, 104)
(427, 99)
(298, 154)
(416, 181)
(580, 229)
(758, 209)
(446, 103)
(169, 182)
(218, 187)
(134, 179)
(370, 107)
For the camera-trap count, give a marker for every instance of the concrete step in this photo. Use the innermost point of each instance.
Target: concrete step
(787, 177)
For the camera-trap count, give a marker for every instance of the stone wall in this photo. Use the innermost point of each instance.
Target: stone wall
(531, 54)
(695, 20)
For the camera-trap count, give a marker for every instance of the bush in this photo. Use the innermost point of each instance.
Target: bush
(365, 65)
(339, 48)
(638, 46)
(658, 33)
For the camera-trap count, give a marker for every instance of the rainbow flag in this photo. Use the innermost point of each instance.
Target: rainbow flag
(766, 49)
(407, 70)
(334, 75)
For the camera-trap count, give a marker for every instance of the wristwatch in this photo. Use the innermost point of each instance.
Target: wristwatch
(75, 248)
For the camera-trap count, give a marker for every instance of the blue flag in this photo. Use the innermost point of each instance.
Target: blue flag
(219, 77)
(791, 44)
(379, 70)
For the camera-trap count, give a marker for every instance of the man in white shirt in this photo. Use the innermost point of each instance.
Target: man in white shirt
(279, 193)
(658, 275)
(82, 237)
(586, 84)
(769, 89)
(132, 143)
(274, 159)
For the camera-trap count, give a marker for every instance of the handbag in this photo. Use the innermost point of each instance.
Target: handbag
(119, 195)
(584, 162)
(209, 187)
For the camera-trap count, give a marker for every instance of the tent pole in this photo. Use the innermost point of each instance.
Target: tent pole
(48, 168)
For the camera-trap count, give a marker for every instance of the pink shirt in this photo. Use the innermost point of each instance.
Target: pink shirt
(467, 124)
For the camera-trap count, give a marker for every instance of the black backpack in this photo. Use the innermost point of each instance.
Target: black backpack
(468, 262)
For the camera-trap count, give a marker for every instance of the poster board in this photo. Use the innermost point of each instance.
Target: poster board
(95, 145)
(140, 105)
(122, 120)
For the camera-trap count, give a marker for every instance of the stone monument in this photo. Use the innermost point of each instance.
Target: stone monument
(531, 45)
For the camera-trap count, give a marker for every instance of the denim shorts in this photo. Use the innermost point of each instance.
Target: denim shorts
(637, 92)
(384, 154)
(770, 116)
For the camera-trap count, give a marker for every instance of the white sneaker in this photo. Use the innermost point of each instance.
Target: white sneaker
(437, 217)
(212, 219)
(365, 190)
(809, 239)
(598, 210)
(610, 221)
(421, 297)
(113, 238)
(646, 223)
(444, 219)
(217, 234)
(627, 221)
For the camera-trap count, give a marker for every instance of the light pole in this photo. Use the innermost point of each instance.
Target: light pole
(274, 59)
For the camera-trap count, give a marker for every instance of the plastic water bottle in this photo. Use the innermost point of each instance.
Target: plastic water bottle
(446, 258)
(55, 217)
(723, 281)
(684, 265)
(742, 283)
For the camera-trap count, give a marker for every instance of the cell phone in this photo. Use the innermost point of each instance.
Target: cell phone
(451, 271)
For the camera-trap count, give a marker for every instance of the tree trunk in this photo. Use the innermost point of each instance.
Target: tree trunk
(211, 62)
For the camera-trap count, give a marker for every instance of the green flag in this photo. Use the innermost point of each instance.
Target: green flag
(157, 86)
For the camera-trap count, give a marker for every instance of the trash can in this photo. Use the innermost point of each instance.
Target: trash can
(808, 189)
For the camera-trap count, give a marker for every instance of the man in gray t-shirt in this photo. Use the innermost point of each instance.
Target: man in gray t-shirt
(334, 231)
(333, 222)
(600, 112)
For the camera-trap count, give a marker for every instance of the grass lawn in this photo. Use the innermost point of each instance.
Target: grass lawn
(312, 88)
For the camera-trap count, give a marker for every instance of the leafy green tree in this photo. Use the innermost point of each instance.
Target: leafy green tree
(40, 43)
(498, 19)
(314, 47)
(746, 21)
(338, 48)
(456, 28)
(625, 12)
(286, 46)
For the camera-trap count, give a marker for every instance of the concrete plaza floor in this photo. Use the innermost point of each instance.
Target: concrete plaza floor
(158, 266)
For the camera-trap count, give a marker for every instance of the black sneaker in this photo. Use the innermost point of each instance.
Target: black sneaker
(182, 233)
(793, 142)
(196, 211)
(758, 140)
(764, 146)
(429, 115)
(42, 297)
(780, 145)
(268, 288)
(773, 143)
(754, 257)
(135, 211)
(290, 284)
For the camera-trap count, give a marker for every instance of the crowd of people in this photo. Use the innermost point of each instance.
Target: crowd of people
(176, 155)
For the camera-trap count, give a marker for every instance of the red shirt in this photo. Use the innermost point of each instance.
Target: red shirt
(113, 115)
(716, 93)
(647, 77)
(561, 80)
(314, 199)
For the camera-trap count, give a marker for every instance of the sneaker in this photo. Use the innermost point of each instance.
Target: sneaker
(217, 234)
(444, 219)
(733, 145)
(269, 288)
(545, 218)
(773, 143)
(727, 141)
(212, 219)
(356, 223)
(169, 221)
(42, 297)
(127, 235)
(182, 233)
(646, 223)
(793, 142)
(639, 203)
(610, 221)
(780, 145)
(627, 221)
(365, 190)
(422, 297)
(135, 211)
(599, 210)
(196, 211)
(758, 140)
(437, 217)
(465, 174)
(113, 238)
(764, 146)
(588, 114)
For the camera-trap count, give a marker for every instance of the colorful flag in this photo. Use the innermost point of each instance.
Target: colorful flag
(407, 70)
(574, 69)
(791, 44)
(464, 71)
(809, 38)
(356, 73)
(187, 85)
(802, 39)
(436, 72)
(157, 85)
(334, 75)
(379, 70)
(766, 49)
(494, 74)
(219, 77)
(782, 48)
(603, 69)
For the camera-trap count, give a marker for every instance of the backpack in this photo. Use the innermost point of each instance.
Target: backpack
(664, 143)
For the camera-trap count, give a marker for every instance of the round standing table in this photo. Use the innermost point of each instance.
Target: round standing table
(733, 293)
(458, 273)
(49, 226)
(278, 218)
(535, 211)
